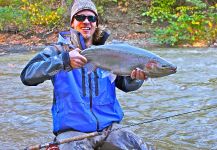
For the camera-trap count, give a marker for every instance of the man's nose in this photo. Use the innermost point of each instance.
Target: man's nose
(86, 20)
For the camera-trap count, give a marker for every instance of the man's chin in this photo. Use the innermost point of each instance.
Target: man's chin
(86, 36)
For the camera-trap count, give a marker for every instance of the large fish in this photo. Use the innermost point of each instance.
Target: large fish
(122, 59)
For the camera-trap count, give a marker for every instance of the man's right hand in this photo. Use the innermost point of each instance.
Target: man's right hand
(76, 59)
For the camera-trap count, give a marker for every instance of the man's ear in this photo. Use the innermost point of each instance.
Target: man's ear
(72, 24)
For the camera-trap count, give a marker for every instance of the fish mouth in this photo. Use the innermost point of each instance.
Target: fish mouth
(173, 70)
(162, 72)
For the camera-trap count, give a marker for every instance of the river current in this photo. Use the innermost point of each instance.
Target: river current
(25, 117)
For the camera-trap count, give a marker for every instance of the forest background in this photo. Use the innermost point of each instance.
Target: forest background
(174, 23)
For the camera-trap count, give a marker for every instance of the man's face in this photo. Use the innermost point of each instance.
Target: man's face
(86, 27)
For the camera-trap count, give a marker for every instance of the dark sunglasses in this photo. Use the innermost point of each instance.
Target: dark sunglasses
(81, 18)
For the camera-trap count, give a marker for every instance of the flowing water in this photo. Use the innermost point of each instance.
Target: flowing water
(25, 117)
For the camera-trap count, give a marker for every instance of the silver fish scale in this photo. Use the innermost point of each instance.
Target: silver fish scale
(121, 59)
(113, 60)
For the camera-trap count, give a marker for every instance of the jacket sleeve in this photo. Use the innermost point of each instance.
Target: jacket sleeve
(45, 65)
(126, 84)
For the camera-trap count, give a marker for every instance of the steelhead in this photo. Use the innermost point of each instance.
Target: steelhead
(122, 59)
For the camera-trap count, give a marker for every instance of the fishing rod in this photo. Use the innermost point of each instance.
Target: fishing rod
(166, 117)
(93, 134)
(58, 142)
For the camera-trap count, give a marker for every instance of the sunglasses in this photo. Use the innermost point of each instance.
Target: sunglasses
(81, 18)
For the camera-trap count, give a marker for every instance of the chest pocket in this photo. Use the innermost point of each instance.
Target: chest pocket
(106, 90)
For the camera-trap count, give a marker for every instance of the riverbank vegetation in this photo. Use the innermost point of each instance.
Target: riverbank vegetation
(173, 22)
(185, 21)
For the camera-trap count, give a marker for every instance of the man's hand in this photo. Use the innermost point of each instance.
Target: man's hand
(138, 74)
(76, 59)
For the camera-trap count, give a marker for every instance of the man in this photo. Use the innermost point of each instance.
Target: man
(83, 102)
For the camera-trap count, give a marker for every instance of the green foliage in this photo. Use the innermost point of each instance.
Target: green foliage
(42, 13)
(197, 3)
(5, 3)
(100, 4)
(12, 17)
(26, 14)
(160, 10)
(47, 13)
(195, 22)
(179, 21)
(69, 2)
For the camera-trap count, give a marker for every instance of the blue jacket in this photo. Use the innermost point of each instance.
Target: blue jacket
(82, 102)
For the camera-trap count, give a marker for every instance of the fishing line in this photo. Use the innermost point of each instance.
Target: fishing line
(89, 135)
(166, 117)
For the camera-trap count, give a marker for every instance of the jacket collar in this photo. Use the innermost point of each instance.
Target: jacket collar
(75, 38)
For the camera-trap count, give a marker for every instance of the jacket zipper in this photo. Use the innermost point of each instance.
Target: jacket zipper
(91, 101)
(96, 83)
(83, 82)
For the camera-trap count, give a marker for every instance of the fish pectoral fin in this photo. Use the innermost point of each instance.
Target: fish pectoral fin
(109, 74)
(105, 73)
(90, 67)
(112, 77)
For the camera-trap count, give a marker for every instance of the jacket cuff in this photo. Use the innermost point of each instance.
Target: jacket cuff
(66, 61)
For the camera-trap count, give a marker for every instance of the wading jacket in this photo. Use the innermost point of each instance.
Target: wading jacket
(81, 101)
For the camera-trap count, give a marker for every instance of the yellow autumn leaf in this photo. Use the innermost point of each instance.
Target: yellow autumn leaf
(195, 22)
(23, 8)
(210, 24)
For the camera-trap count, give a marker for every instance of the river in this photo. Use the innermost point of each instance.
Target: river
(25, 117)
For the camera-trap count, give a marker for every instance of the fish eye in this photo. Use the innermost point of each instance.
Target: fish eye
(164, 66)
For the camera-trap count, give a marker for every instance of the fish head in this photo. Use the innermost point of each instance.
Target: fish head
(159, 68)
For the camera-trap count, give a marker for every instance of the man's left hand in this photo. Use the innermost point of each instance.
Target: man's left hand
(138, 74)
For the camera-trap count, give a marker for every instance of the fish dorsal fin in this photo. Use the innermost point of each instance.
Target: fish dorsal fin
(118, 42)
(93, 46)
(90, 67)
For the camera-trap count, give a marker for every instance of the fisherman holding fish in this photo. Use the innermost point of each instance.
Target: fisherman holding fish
(83, 101)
